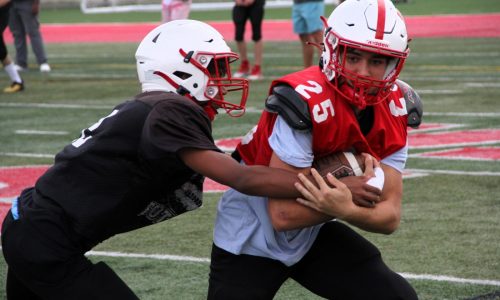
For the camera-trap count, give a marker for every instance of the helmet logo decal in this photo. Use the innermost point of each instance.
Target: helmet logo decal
(209, 41)
(156, 37)
(379, 35)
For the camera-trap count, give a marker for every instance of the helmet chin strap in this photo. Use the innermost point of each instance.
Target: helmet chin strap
(180, 90)
(357, 99)
(210, 111)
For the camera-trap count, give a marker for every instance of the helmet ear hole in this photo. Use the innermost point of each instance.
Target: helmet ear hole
(182, 75)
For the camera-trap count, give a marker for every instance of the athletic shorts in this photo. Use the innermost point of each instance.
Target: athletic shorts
(306, 17)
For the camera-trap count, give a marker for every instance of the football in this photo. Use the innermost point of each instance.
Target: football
(340, 164)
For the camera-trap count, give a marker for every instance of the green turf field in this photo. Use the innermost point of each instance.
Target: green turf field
(450, 224)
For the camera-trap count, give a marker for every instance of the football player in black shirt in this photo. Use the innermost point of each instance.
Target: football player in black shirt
(143, 163)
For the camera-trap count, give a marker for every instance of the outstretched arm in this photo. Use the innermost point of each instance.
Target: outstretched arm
(3, 2)
(252, 180)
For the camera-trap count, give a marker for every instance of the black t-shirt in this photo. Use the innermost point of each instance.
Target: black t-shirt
(124, 173)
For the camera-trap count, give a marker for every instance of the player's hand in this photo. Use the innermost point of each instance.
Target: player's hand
(364, 194)
(332, 198)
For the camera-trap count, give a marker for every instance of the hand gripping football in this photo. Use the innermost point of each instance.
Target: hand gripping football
(340, 164)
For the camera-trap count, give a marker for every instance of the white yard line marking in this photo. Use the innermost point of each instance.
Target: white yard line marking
(152, 256)
(451, 172)
(50, 105)
(433, 92)
(207, 260)
(482, 84)
(450, 279)
(463, 114)
(181, 258)
(40, 132)
(249, 109)
(33, 155)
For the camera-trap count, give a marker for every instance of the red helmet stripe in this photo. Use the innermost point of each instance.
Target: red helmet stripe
(380, 20)
(167, 79)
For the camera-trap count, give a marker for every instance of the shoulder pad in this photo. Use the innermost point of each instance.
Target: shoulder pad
(414, 105)
(287, 103)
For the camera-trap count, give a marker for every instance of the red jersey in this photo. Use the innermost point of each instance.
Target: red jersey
(335, 126)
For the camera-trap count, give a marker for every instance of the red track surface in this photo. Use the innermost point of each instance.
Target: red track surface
(457, 26)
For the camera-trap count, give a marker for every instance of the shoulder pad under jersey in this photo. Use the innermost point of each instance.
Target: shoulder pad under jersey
(287, 103)
(414, 105)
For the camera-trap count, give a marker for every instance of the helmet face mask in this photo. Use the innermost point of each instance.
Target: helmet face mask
(191, 58)
(351, 28)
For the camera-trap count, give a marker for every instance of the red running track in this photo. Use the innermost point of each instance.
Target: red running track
(455, 26)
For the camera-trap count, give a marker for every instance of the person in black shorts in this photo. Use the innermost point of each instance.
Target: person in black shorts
(143, 163)
(17, 83)
(243, 11)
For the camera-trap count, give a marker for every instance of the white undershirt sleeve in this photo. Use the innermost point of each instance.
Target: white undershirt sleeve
(293, 147)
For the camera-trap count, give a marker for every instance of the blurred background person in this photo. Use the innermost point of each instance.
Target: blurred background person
(243, 11)
(9, 67)
(24, 21)
(175, 10)
(306, 17)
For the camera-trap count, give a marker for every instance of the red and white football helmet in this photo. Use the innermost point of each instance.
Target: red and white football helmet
(368, 25)
(191, 58)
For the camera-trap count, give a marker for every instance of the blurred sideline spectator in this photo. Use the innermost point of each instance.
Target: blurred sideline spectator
(175, 10)
(308, 25)
(243, 11)
(9, 67)
(24, 21)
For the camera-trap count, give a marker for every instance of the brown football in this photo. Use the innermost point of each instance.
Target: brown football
(340, 164)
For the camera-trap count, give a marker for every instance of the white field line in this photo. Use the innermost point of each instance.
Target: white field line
(31, 155)
(254, 110)
(463, 114)
(249, 109)
(151, 256)
(451, 172)
(417, 171)
(450, 279)
(51, 105)
(207, 260)
(434, 92)
(40, 132)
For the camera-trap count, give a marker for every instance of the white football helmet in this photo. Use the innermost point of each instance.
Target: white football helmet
(192, 59)
(368, 25)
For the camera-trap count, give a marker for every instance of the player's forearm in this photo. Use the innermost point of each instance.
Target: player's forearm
(267, 182)
(290, 215)
(4, 2)
(384, 218)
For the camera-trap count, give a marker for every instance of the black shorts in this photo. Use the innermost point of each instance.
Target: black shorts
(46, 261)
(340, 265)
(254, 13)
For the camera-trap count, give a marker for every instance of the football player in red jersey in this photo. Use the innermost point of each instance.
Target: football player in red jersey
(352, 101)
(143, 163)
